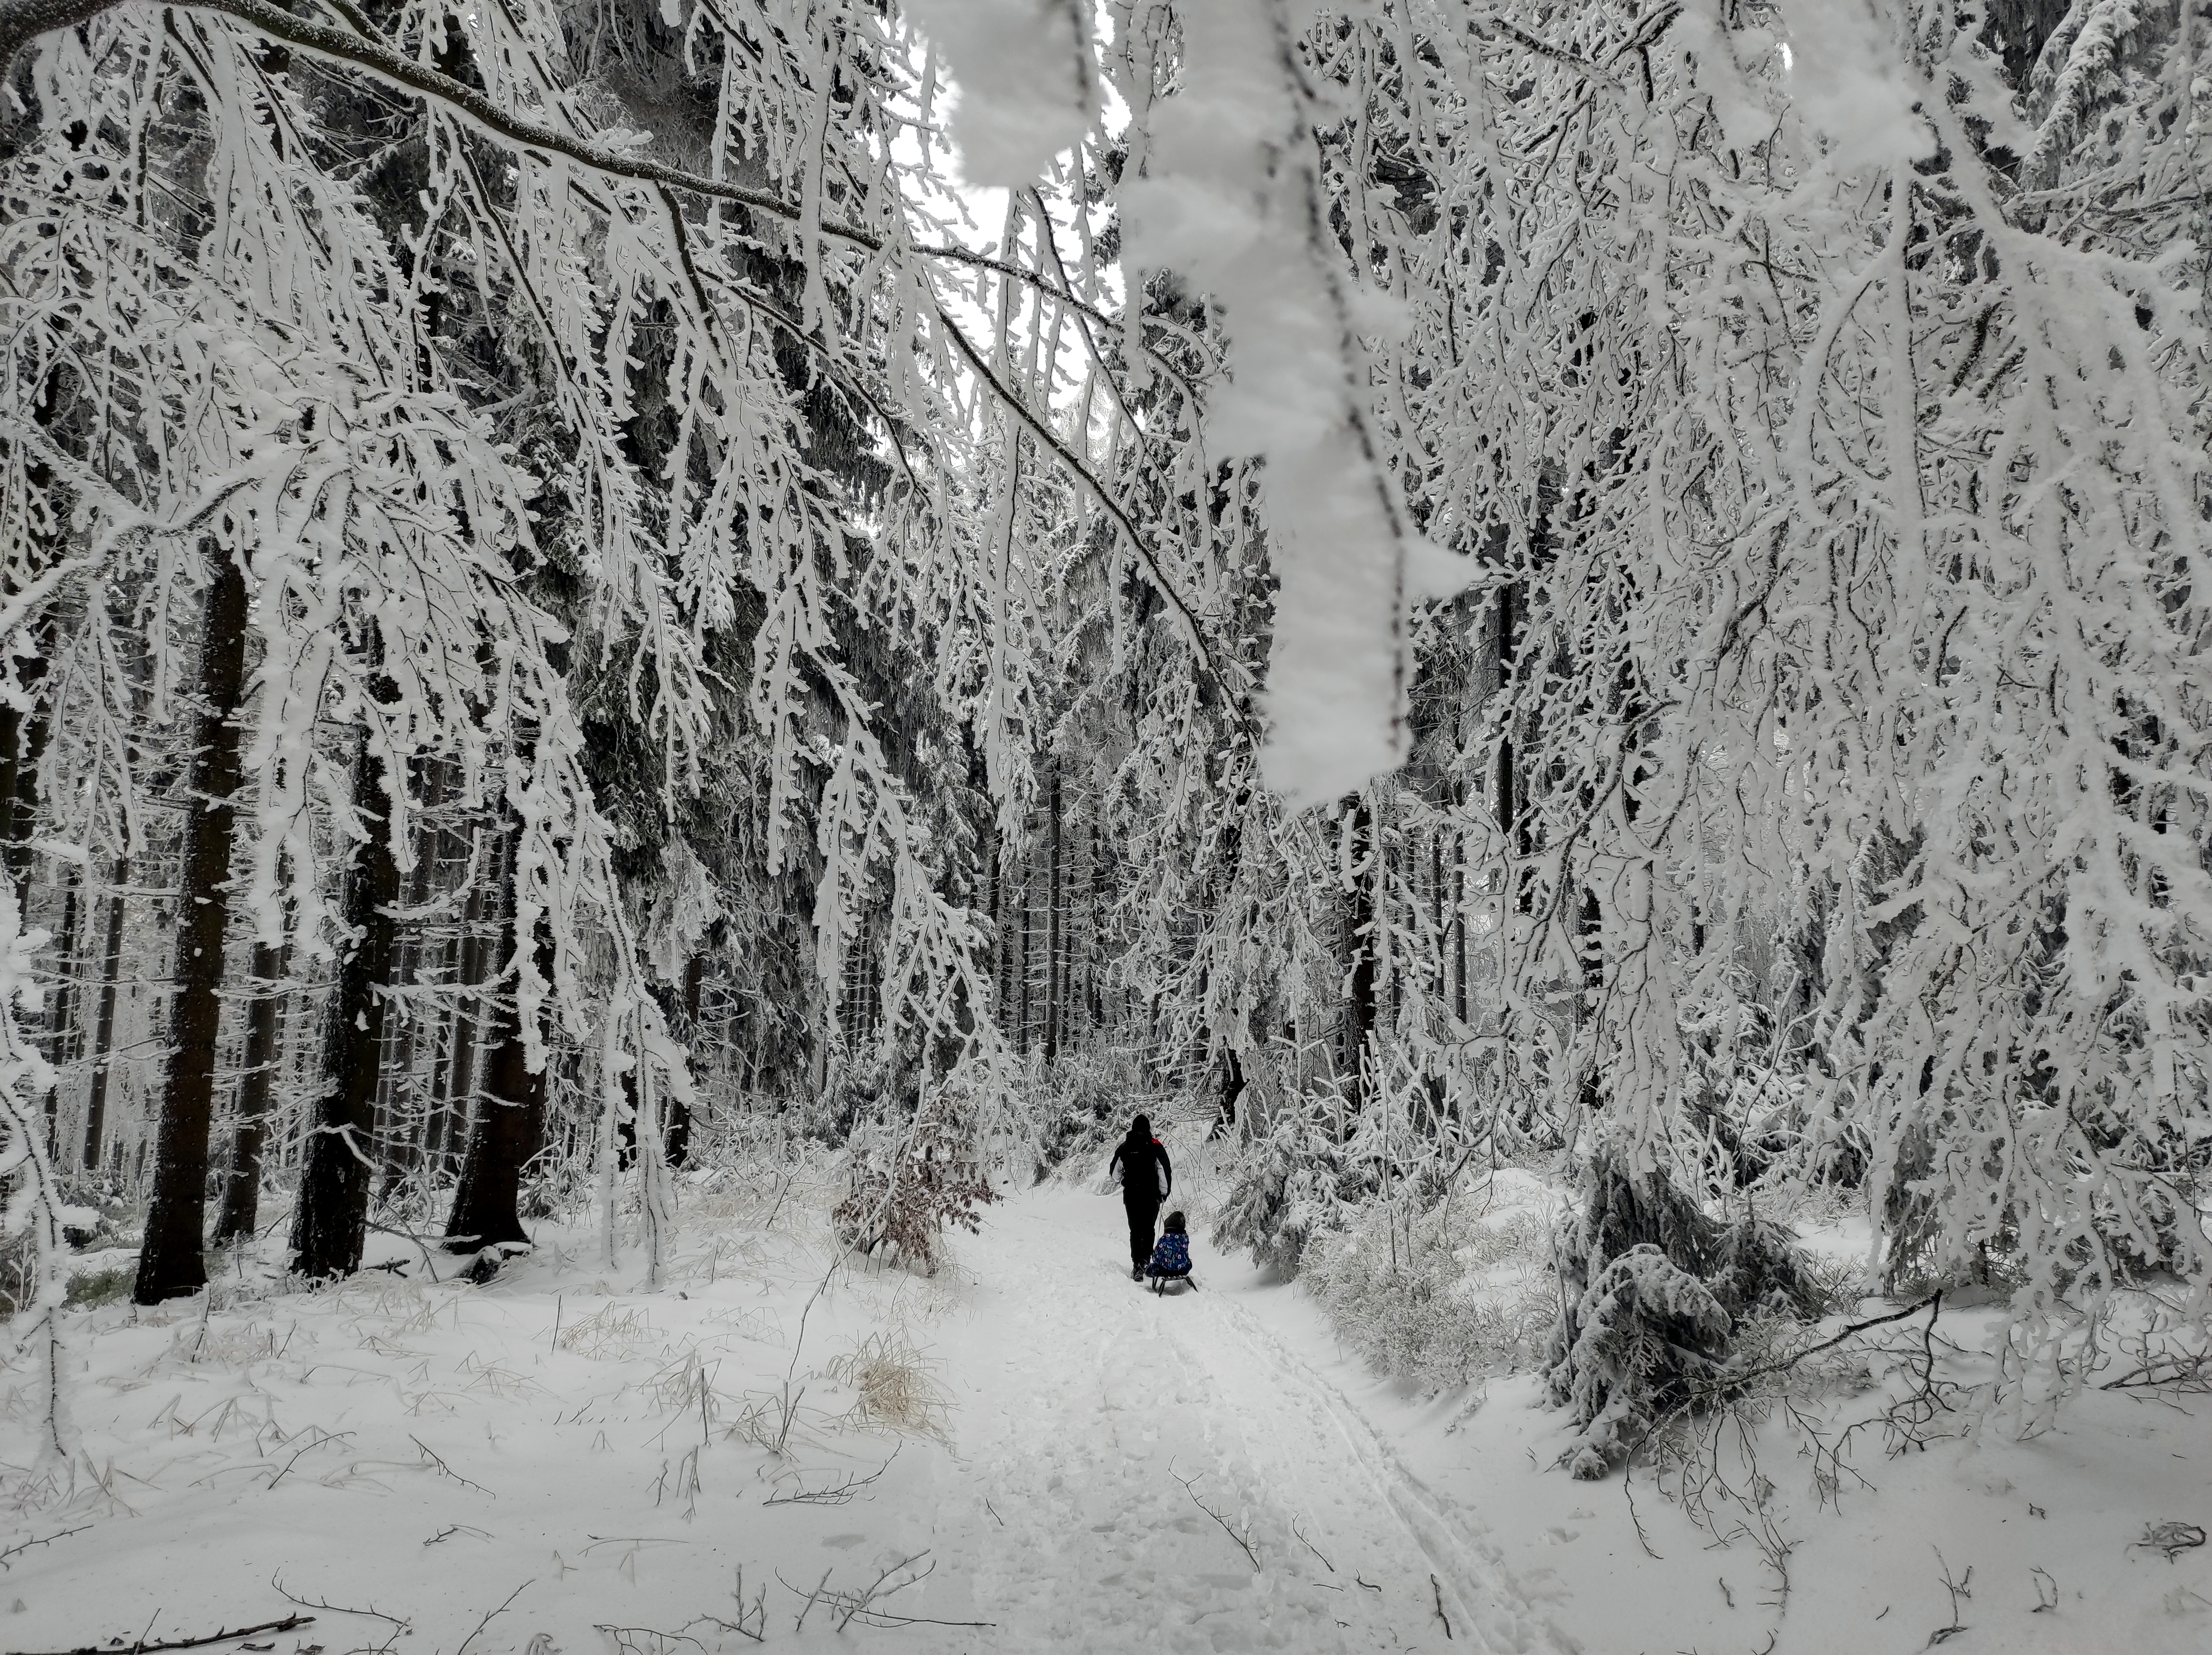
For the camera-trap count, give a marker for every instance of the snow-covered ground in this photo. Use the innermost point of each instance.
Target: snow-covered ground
(563, 1453)
(1865, 1568)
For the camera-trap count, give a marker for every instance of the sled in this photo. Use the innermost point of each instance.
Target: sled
(1160, 1281)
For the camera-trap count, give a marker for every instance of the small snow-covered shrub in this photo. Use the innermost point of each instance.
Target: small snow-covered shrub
(1452, 1294)
(1647, 1337)
(908, 1182)
(1653, 1291)
(1294, 1184)
(89, 1289)
(752, 1170)
(1084, 1101)
(861, 1083)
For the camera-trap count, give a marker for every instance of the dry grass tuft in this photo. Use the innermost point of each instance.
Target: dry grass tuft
(894, 1384)
(613, 1333)
(208, 1342)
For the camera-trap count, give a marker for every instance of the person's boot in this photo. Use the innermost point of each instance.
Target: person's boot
(1136, 1272)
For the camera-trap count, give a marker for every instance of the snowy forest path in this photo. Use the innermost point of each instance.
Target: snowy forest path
(1095, 1417)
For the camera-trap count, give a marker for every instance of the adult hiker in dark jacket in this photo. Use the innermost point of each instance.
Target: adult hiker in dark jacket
(1146, 1179)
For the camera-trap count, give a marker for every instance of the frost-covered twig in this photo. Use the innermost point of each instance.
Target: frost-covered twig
(322, 1439)
(813, 1597)
(834, 1494)
(21, 1546)
(2046, 1591)
(1627, 1476)
(864, 1604)
(439, 1463)
(277, 1585)
(492, 1615)
(1959, 1589)
(1731, 1378)
(650, 1640)
(862, 1600)
(752, 1620)
(1244, 1543)
(2170, 1539)
(428, 1261)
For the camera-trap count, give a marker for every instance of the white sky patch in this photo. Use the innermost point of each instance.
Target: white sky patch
(978, 218)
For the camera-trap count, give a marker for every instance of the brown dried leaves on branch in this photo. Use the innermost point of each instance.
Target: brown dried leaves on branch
(906, 1192)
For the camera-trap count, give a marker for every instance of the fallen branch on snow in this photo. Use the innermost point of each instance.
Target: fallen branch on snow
(862, 1605)
(492, 1616)
(22, 1546)
(430, 1455)
(1732, 1380)
(118, 1647)
(1244, 1543)
(837, 1493)
(647, 1640)
(2171, 1538)
(277, 1585)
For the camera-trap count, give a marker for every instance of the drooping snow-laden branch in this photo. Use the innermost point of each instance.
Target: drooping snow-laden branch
(1844, 504)
(358, 479)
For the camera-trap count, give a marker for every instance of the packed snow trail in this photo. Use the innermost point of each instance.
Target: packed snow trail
(1094, 1417)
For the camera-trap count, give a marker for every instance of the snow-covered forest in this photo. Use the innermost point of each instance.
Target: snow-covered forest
(672, 651)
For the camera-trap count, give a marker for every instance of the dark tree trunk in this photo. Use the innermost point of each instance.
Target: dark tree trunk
(61, 1015)
(1002, 922)
(510, 1119)
(2022, 28)
(409, 1133)
(1359, 942)
(1028, 961)
(257, 1090)
(1055, 929)
(22, 741)
(331, 1222)
(460, 1071)
(1508, 802)
(1589, 945)
(1097, 907)
(170, 1263)
(1510, 806)
(103, 1032)
(1460, 1000)
(11, 763)
(678, 1138)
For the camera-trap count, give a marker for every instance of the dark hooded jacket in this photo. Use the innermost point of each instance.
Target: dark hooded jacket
(1146, 1177)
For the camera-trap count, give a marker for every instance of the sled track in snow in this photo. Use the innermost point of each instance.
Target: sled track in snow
(1470, 1575)
(1102, 1417)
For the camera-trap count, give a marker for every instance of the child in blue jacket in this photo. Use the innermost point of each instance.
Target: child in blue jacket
(1171, 1258)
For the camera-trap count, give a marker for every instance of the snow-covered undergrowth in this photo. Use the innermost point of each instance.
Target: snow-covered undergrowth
(405, 1449)
(747, 1449)
(1447, 1296)
(1838, 1489)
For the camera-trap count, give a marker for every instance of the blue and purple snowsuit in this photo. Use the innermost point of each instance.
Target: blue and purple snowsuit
(1171, 1257)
